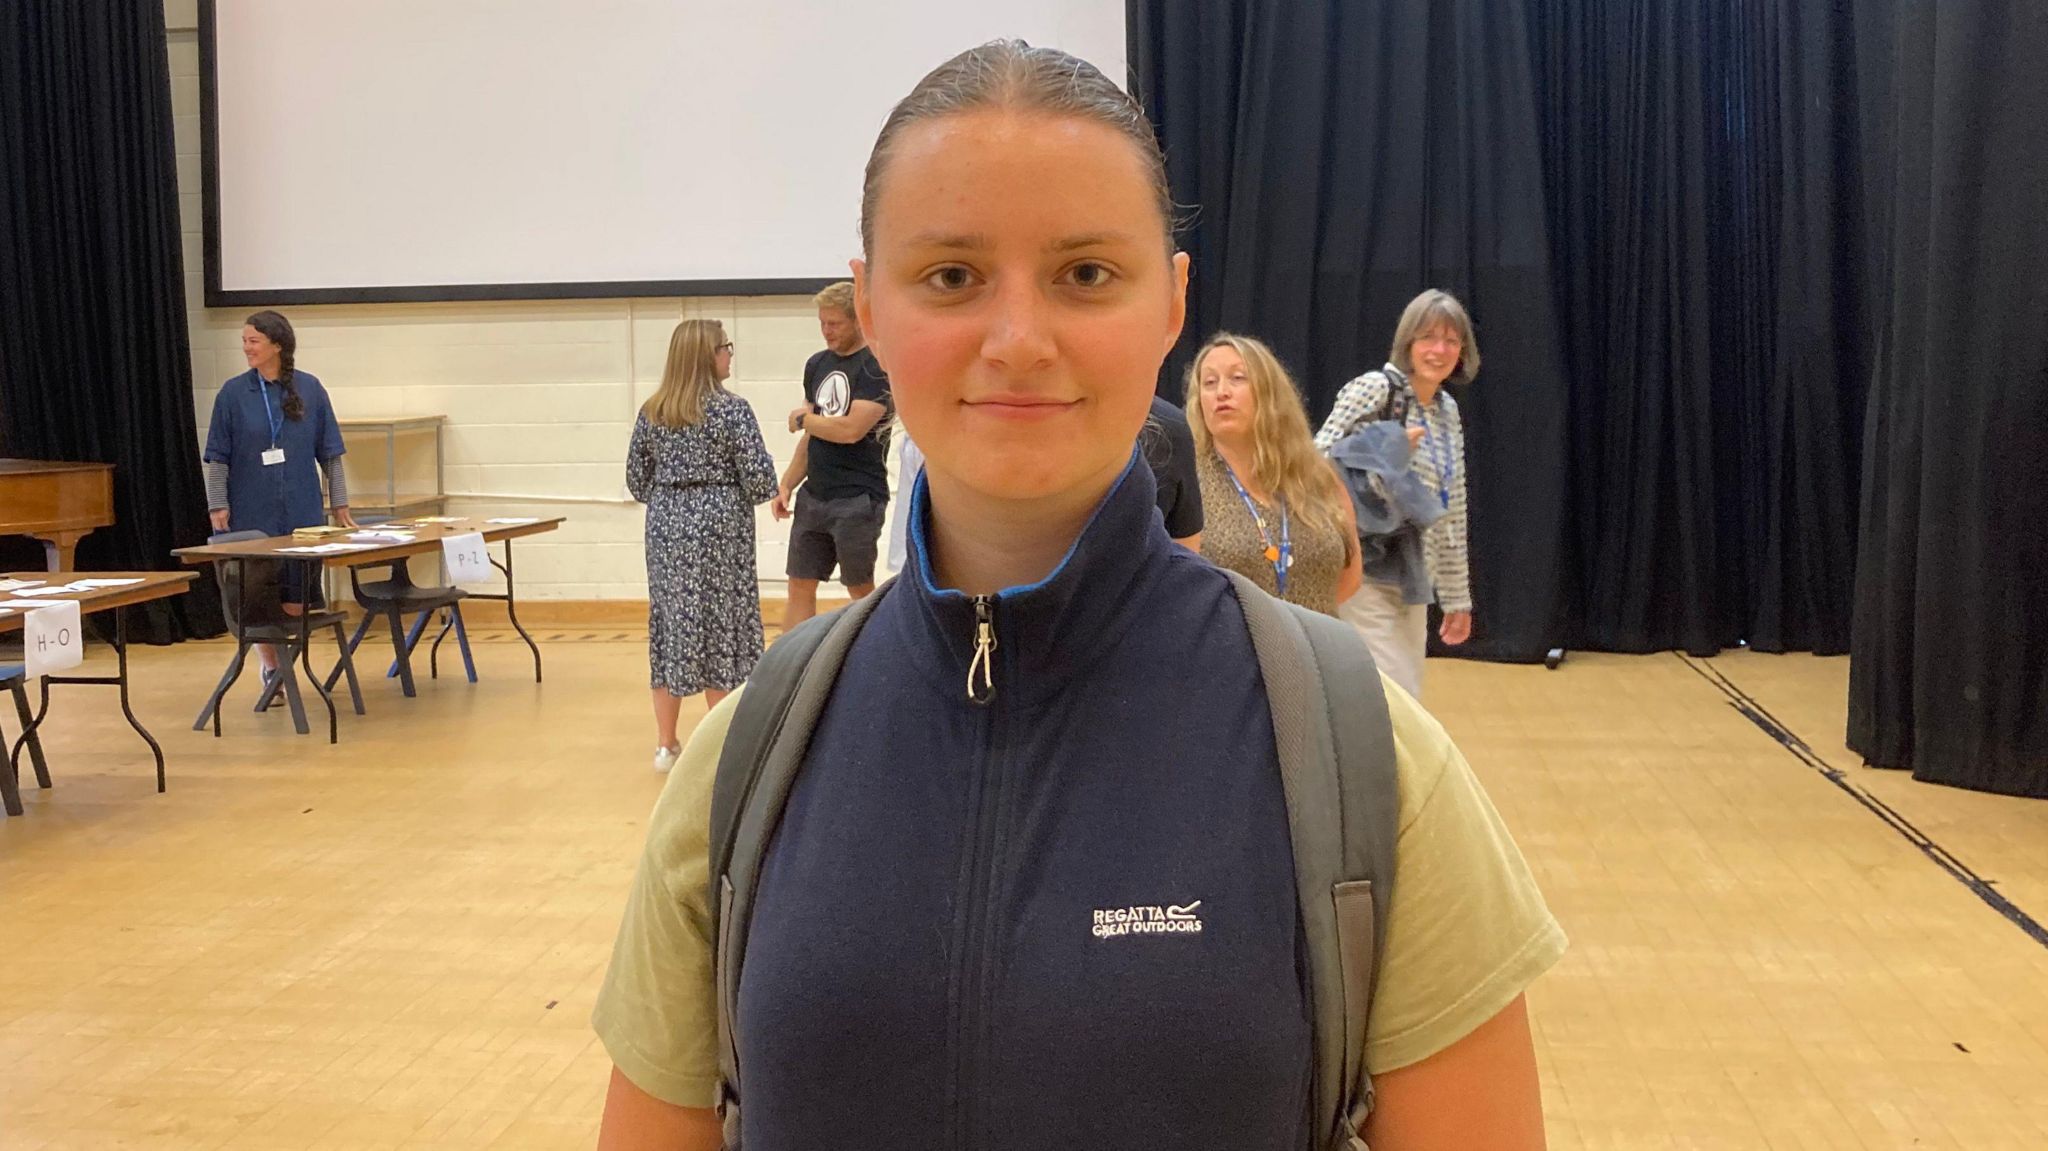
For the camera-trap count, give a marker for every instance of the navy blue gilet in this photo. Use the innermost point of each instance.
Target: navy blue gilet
(1064, 918)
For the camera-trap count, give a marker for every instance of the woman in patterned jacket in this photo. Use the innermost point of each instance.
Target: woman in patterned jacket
(1432, 346)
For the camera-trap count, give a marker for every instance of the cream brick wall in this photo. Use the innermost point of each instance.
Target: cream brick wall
(540, 395)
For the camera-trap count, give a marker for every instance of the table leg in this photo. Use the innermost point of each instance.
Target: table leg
(121, 661)
(512, 608)
(314, 568)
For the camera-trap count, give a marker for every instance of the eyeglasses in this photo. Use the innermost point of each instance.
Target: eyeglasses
(726, 346)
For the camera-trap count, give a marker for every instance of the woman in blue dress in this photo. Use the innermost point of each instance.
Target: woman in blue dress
(271, 425)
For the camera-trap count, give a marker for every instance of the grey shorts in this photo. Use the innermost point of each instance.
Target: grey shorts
(841, 531)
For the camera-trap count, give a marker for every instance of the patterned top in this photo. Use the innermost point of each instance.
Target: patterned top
(1230, 539)
(1439, 462)
(725, 449)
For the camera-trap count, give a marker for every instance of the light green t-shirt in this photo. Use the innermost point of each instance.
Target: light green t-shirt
(1467, 932)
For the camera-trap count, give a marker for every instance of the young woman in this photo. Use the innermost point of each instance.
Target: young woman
(1276, 511)
(698, 463)
(270, 425)
(1433, 345)
(920, 970)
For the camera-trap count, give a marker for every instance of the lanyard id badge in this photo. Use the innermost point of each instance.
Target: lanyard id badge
(274, 455)
(1281, 554)
(1443, 456)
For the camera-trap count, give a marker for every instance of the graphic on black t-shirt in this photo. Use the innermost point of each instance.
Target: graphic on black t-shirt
(832, 383)
(834, 394)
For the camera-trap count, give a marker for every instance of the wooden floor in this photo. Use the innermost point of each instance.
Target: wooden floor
(395, 942)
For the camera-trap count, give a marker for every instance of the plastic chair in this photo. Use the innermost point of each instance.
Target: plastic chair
(396, 597)
(14, 680)
(252, 599)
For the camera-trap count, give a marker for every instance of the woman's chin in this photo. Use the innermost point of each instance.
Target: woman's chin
(1035, 476)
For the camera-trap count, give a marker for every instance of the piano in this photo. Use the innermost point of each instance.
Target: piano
(57, 503)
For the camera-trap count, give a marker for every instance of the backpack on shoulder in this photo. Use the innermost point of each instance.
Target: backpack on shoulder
(1337, 768)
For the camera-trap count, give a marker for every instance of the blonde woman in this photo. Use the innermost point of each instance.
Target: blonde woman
(698, 463)
(1273, 509)
(1433, 346)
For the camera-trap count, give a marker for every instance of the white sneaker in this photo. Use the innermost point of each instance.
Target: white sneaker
(665, 758)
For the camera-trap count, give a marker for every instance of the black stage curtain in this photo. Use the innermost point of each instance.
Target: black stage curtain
(1706, 224)
(94, 356)
(1337, 158)
(1653, 212)
(1949, 672)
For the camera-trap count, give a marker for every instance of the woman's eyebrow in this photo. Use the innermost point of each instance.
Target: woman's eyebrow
(977, 242)
(956, 241)
(1088, 240)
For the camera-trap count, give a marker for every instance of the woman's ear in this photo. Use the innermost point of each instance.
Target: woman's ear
(863, 311)
(1177, 314)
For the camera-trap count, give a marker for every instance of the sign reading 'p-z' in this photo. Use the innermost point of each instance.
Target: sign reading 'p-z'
(468, 558)
(52, 640)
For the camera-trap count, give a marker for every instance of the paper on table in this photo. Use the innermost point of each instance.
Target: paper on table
(326, 549)
(395, 537)
(91, 584)
(16, 584)
(514, 520)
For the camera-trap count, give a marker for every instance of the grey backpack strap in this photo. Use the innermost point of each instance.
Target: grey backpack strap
(764, 748)
(1337, 767)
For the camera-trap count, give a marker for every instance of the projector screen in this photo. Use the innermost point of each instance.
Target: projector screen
(375, 150)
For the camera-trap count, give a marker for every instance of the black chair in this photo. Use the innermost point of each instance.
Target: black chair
(14, 680)
(396, 597)
(252, 598)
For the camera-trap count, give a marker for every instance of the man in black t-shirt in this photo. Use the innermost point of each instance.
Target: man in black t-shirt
(1169, 447)
(841, 462)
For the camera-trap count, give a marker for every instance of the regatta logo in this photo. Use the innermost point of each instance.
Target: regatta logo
(1116, 922)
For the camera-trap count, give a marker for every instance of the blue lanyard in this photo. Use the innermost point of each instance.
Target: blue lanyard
(1282, 557)
(276, 421)
(1441, 454)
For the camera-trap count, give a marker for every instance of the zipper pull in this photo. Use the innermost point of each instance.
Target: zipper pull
(984, 660)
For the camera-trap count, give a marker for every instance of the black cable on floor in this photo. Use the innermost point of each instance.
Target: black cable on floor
(1759, 715)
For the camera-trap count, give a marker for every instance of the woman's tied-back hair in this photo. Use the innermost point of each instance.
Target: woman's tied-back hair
(1426, 313)
(690, 376)
(1010, 74)
(1285, 462)
(278, 330)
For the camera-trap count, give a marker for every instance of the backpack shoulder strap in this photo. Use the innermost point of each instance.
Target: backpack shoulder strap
(1399, 394)
(764, 749)
(1337, 767)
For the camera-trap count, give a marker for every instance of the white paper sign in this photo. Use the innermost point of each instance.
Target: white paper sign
(51, 639)
(468, 559)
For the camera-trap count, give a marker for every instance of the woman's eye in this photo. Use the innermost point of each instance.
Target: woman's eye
(951, 278)
(1090, 275)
